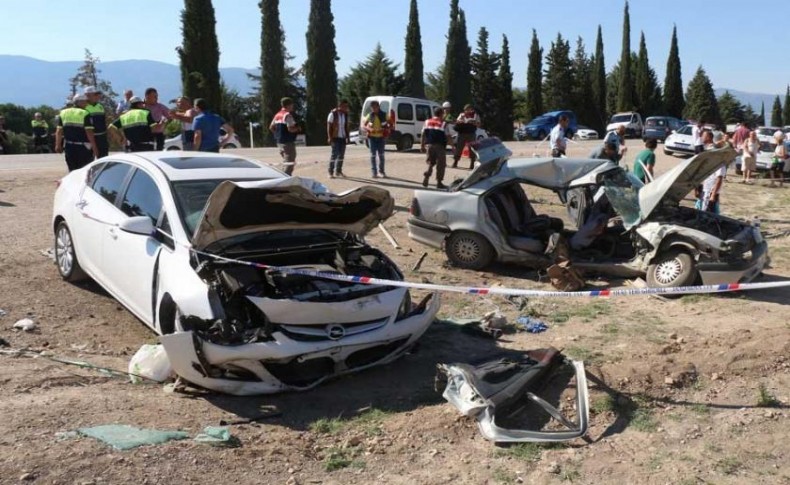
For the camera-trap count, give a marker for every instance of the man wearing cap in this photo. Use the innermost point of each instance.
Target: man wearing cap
(74, 134)
(98, 120)
(135, 127)
(465, 125)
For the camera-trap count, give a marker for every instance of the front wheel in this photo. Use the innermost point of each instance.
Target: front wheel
(469, 250)
(66, 256)
(405, 143)
(229, 146)
(672, 269)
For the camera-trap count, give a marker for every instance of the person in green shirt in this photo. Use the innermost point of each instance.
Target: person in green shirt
(645, 161)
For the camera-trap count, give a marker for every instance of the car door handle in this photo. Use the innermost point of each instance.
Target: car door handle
(113, 233)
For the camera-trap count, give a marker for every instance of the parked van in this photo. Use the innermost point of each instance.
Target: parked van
(660, 127)
(632, 122)
(540, 127)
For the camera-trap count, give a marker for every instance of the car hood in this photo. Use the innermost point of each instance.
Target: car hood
(672, 186)
(236, 208)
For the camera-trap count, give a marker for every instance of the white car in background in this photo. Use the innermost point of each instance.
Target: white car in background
(172, 238)
(585, 133)
(680, 142)
(176, 143)
(766, 133)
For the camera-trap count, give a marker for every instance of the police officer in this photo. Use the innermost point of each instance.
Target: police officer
(40, 134)
(284, 127)
(74, 134)
(435, 133)
(134, 127)
(98, 120)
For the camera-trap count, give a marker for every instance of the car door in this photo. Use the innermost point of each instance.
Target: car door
(423, 113)
(131, 259)
(405, 118)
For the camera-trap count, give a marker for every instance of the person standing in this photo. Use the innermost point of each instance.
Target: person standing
(751, 147)
(709, 198)
(284, 127)
(124, 105)
(160, 113)
(135, 127)
(740, 136)
(185, 114)
(435, 134)
(645, 161)
(617, 138)
(74, 134)
(377, 127)
(465, 127)
(40, 134)
(5, 142)
(557, 140)
(337, 135)
(207, 126)
(778, 162)
(98, 120)
(696, 136)
(447, 107)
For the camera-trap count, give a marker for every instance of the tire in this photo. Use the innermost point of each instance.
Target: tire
(229, 146)
(405, 143)
(172, 148)
(672, 269)
(65, 255)
(469, 250)
(541, 135)
(667, 152)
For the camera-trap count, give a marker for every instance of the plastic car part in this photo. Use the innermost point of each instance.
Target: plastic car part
(502, 387)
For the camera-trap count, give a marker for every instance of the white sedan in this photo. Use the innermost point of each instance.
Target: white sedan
(217, 253)
(585, 133)
(680, 142)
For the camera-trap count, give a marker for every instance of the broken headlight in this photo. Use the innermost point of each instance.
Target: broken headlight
(405, 308)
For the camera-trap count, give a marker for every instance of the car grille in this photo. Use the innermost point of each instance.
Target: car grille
(332, 331)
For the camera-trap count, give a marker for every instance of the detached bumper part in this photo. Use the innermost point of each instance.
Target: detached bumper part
(503, 386)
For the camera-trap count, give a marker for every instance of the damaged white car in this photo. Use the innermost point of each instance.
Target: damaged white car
(189, 244)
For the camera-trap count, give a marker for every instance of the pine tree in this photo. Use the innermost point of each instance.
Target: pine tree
(413, 68)
(673, 84)
(377, 74)
(701, 103)
(505, 93)
(319, 69)
(88, 75)
(273, 82)
(786, 110)
(625, 91)
(558, 77)
(436, 84)
(776, 113)
(599, 84)
(613, 84)
(457, 59)
(648, 98)
(583, 102)
(485, 85)
(199, 53)
(535, 78)
(731, 110)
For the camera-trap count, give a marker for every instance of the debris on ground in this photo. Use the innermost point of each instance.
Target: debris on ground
(4, 342)
(150, 362)
(217, 436)
(419, 262)
(4, 313)
(480, 326)
(125, 437)
(531, 324)
(26, 325)
(389, 236)
(48, 253)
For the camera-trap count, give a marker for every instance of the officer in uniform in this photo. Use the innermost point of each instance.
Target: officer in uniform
(285, 129)
(98, 120)
(435, 133)
(40, 134)
(74, 134)
(134, 127)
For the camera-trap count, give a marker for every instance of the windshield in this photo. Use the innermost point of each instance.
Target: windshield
(622, 191)
(191, 197)
(540, 120)
(656, 122)
(621, 119)
(765, 131)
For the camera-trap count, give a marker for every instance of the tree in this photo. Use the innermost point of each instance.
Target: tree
(535, 78)
(786, 111)
(646, 90)
(413, 69)
(293, 88)
(761, 119)
(776, 113)
(505, 93)
(558, 76)
(88, 75)
(273, 81)
(485, 85)
(625, 91)
(436, 85)
(613, 84)
(673, 84)
(377, 74)
(598, 80)
(457, 59)
(701, 103)
(731, 110)
(199, 53)
(320, 71)
(520, 112)
(583, 100)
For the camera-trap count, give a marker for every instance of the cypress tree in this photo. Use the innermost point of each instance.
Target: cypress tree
(558, 77)
(646, 85)
(505, 93)
(199, 53)
(599, 84)
(413, 69)
(701, 103)
(583, 101)
(535, 78)
(319, 69)
(776, 113)
(786, 111)
(625, 90)
(273, 82)
(761, 120)
(673, 84)
(457, 59)
(485, 85)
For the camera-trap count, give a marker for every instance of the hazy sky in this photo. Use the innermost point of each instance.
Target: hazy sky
(734, 41)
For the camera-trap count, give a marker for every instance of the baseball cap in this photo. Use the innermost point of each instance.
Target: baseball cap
(79, 97)
(92, 90)
(135, 99)
(446, 104)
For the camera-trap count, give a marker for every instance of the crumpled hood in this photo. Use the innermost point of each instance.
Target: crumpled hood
(236, 208)
(672, 186)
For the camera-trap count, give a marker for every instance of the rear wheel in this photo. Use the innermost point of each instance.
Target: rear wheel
(541, 135)
(405, 143)
(66, 256)
(672, 269)
(469, 250)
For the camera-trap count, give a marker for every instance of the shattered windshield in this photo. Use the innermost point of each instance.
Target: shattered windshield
(622, 191)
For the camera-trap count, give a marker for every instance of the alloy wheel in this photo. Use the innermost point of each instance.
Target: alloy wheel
(64, 251)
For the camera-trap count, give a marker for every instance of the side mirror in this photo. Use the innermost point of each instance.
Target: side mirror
(141, 225)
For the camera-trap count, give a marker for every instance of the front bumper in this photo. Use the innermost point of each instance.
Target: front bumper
(283, 363)
(720, 273)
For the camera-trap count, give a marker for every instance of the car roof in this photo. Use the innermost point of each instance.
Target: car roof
(182, 165)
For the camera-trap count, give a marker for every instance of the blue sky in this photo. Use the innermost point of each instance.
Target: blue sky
(737, 45)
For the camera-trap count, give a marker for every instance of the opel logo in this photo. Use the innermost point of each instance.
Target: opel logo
(335, 332)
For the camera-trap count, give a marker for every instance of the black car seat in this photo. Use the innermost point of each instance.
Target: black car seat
(525, 230)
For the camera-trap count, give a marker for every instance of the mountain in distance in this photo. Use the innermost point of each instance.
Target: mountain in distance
(752, 99)
(32, 82)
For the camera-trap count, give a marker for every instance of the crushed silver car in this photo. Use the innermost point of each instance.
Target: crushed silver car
(622, 227)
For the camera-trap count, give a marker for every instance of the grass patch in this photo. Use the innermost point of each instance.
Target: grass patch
(701, 409)
(694, 299)
(603, 404)
(642, 420)
(587, 312)
(501, 475)
(729, 465)
(339, 458)
(326, 425)
(584, 354)
(765, 399)
(527, 451)
(610, 328)
(369, 421)
(570, 474)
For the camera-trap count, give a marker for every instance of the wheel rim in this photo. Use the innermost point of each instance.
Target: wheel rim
(668, 271)
(466, 249)
(64, 251)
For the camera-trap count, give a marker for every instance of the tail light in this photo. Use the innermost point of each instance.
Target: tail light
(414, 209)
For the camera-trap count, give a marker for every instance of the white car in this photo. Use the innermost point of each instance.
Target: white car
(176, 143)
(766, 133)
(680, 142)
(218, 254)
(585, 133)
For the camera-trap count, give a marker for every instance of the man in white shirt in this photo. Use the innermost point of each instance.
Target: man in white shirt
(338, 137)
(557, 140)
(696, 136)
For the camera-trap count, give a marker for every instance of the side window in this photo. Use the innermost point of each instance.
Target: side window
(405, 112)
(92, 173)
(423, 112)
(385, 107)
(166, 232)
(142, 198)
(108, 183)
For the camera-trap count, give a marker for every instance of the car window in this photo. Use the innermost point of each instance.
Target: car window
(423, 112)
(142, 198)
(108, 183)
(92, 173)
(405, 112)
(686, 130)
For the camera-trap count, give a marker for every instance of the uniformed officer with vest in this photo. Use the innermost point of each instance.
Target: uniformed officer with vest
(40, 134)
(284, 127)
(98, 119)
(134, 127)
(74, 134)
(435, 134)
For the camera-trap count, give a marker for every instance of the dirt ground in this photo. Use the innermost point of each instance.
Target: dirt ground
(696, 389)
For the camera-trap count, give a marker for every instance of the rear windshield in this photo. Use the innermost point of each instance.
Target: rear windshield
(620, 118)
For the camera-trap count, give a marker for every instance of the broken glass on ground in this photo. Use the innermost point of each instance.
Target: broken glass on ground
(125, 437)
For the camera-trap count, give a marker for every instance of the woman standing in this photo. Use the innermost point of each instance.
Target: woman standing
(751, 146)
(778, 164)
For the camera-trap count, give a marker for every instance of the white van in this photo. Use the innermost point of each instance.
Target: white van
(632, 122)
(406, 115)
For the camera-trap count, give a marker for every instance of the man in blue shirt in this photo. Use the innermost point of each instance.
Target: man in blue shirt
(206, 126)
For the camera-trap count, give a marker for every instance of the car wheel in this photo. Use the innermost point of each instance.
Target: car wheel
(405, 143)
(667, 152)
(672, 269)
(229, 146)
(65, 255)
(541, 135)
(469, 250)
(170, 149)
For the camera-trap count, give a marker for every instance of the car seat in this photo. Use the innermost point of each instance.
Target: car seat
(510, 209)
